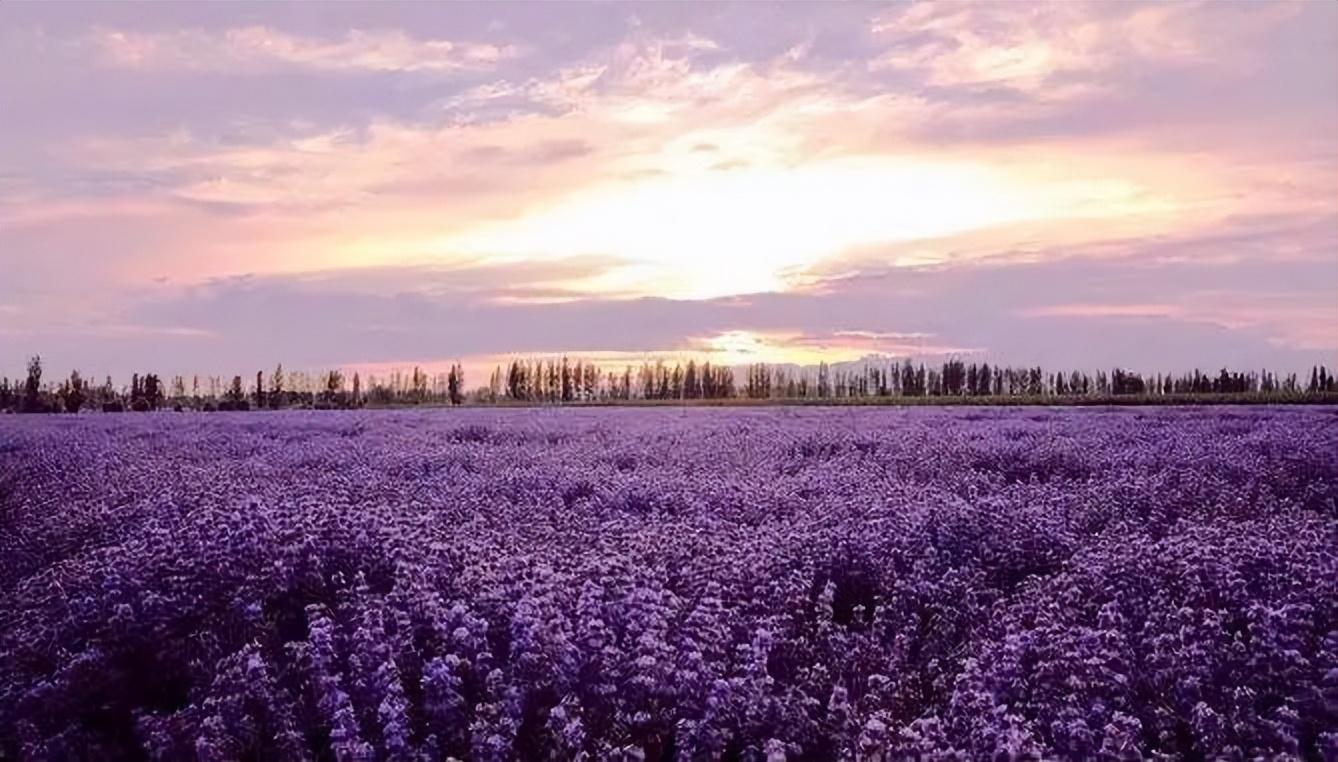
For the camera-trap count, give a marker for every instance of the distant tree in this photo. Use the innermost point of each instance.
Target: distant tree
(954, 377)
(32, 387)
(552, 382)
(1034, 386)
(591, 381)
(757, 385)
(645, 378)
(419, 383)
(513, 380)
(73, 393)
(334, 387)
(111, 402)
(455, 385)
(235, 397)
(724, 383)
(153, 391)
(276, 381)
(137, 401)
(661, 380)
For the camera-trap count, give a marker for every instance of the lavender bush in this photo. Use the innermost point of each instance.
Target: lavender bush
(670, 584)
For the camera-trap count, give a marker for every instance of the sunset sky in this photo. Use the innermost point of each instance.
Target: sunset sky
(216, 188)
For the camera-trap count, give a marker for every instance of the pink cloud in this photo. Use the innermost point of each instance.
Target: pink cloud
(1056, 51)
(1103, 310)
(257, 48)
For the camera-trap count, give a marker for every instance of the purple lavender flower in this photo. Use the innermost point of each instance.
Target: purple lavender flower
(650, 584)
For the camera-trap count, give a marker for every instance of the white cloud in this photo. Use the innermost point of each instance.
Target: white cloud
(1058, 50)
(259, 48)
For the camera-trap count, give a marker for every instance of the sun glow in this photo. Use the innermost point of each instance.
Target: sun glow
(707, 233)
(732, 348)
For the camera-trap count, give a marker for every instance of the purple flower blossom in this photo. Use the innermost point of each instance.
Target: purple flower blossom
(652, 584)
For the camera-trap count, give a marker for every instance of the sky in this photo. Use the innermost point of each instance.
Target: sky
(215, 188)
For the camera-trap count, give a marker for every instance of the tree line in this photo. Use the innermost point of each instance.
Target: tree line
(576, 381)
(567, 381)
(333, 389)
(557, 381)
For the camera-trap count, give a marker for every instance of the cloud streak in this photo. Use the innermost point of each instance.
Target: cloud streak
(258, 49)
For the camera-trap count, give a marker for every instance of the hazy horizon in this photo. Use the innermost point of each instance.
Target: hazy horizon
(477, 374)
(214, 188)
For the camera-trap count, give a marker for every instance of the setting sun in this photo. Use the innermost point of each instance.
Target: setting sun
(700, 233)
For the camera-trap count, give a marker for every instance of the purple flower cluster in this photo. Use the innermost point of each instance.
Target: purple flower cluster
(630, 584)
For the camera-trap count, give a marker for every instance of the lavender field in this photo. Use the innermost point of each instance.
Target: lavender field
(761, 584)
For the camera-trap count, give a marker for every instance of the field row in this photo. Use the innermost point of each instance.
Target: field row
(759, 584)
